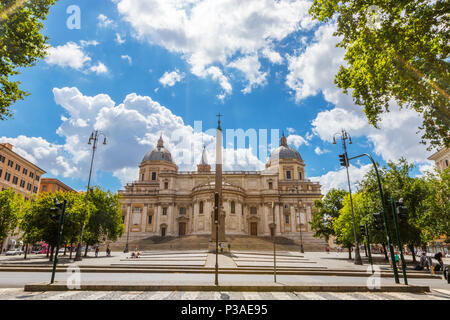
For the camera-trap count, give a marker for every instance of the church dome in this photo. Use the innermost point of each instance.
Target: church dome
(159, 153)
(284, 152)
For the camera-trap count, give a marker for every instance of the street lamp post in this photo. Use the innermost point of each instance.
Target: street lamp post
(300, 225)
(128, 230)
(345, 136)
(92, 138)
(274, 244)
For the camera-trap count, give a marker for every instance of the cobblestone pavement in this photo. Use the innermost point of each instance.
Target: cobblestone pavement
(19, 294)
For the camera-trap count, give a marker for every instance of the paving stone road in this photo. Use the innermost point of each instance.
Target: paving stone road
(19, 294)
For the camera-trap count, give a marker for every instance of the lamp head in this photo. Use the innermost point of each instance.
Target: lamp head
(104, 141)
(334, 140)
(350, 140)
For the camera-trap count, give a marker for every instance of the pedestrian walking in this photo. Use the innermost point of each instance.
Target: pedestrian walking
(229, 247)
(327, 249)
(221, 247)
(96, 251)
(108, 251)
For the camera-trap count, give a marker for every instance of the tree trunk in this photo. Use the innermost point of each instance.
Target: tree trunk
(71, 249)
(365, 250)
(411, 248)
(350, 253)
(65, 248)
(26, 251)
(385, 252)
(51, 254)
(48, 250)
(86, 250)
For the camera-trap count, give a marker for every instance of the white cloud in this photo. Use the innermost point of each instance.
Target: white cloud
(85, 43)
(215, 32)
(290, 130)
(296, 140)
(69, 55)
(170, 78)
(313, 71)
(119, 40)
(103, 21)
(128, 58)
(338, 179)
(132, 129)
(250, 66)
(319, 151)
(100, 68)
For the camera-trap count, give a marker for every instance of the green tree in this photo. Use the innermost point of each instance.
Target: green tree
(325, 212)
(105, 221)
(397, 182)
(435, 223)
(21, 45)
(343, 226)
(10, 204)
(39, 224)
(404, 58)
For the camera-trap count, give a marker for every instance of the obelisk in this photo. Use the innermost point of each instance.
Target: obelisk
(218, 186)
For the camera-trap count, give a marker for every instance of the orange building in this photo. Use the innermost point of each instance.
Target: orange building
(53, 185)
(18, 173)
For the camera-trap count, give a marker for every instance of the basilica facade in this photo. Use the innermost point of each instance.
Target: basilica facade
(168, 202)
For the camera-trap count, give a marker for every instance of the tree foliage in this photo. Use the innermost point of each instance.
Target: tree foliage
(403, 56)
(21, 45)
(11, 208)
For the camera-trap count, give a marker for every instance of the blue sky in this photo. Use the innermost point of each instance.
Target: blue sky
(263, 64)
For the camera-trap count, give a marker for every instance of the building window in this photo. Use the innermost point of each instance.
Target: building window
(15, 180)
(2, 158)
(164, 212)
(286, 219)
(31, 175)
(7, 176)
(35, 189)
(270, 185)
(29, 186)
(253, 210)
(446, 163)
(200, 210)
(166, 185)
(24, 171)
(300, 176)
(22, 183)
(123, 219)
(44, 188)
(142, 179)
(10, 163)
(153, 175)
(17, 167)
(182, 210)
(1, 171)
(288, 175)
(233, 207)
(37, 178)
(150, 217)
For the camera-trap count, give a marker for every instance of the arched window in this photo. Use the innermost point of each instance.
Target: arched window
(200, 210)
(233, 207)
(253, 210)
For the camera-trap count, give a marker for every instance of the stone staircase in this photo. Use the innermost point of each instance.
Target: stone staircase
(237, 242)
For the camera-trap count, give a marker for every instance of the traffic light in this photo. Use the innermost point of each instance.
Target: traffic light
(56, 210)
(379, 222)
(401, 211)
(363, 230)
(343, 159)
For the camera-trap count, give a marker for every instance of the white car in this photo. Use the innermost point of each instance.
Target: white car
(14, 252)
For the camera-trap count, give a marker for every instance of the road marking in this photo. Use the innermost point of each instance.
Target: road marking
(312, 296)
(251, 296)
(96, 295)
(401, 296)
(281, 296)
(443, 291)
(130, 295)
(189, 295)
(160, 295)
(341, 296)
(62, 296)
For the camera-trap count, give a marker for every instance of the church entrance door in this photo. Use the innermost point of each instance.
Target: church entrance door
(182, 229)
(254, 228)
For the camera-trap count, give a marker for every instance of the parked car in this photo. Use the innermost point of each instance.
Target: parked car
(14, 252)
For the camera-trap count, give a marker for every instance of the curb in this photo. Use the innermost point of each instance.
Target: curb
(222, 271)
(251, 288)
